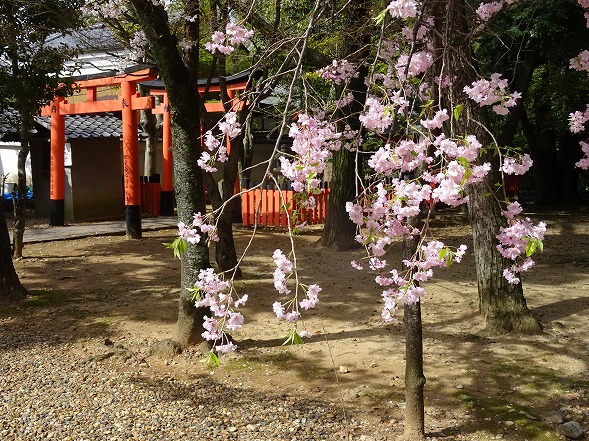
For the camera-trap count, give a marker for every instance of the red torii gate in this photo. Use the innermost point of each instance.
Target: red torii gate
(128, 102)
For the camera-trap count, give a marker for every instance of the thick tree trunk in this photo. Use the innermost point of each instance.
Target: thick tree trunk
(339, 231)
(10, 288)
(544, 154)
(180, 78)
(502, 304)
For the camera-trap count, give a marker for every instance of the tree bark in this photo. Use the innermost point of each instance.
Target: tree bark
(339, 231)
(414, 377)
(10, 288)
(152, 126)
(20, 202)
(180, 77)
(502, 304)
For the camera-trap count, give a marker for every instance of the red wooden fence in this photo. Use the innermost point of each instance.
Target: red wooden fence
(270, 207)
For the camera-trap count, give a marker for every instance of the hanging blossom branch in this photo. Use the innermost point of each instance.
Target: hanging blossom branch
(578, 119)
(212, 290)
(382, 212)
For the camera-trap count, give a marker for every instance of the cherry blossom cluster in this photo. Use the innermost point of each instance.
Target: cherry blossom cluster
(518, 241)
(340, 71)
(284, 270)
(229, 127)
(581, 61)
(200, 228)
(225, 42)
(577, 120)
(213, 292)
(403, 8)
(492, 92)
(486, 10)
(381, 219)
(409, 66)
(584, 161)
(104, 8)
(419, 30)
(313, 142)
(513, 166)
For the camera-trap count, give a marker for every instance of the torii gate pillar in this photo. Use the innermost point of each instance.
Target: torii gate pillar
(167, 197)
(57, 173)
(131, 162)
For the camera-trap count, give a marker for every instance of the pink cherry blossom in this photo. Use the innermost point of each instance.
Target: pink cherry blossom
(580, 62)
(340, 71)
(486, 10)
(403, 8)
(437, 121)
(513, 166)
(584, 161)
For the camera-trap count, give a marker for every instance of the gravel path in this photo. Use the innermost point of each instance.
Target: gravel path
(49, 390)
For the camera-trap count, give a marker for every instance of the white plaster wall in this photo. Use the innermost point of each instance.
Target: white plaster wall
(9, 160)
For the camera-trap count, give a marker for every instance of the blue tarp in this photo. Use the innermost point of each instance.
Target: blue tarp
(8, 196)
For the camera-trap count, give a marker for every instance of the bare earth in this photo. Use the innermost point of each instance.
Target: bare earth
(110, 289)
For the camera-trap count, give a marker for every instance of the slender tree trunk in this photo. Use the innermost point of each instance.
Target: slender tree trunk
(20, 202)
(502, 304)
(180, 77)
(152, 126)
(414, 377)
(10, 288)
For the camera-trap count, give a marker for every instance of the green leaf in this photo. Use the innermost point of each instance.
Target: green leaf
(530, 247)
(457, 111)
(292, 338)
(540, 245)
(380, 17)
(443, 253)
(212, 360)
(196, 293)
(178, 246)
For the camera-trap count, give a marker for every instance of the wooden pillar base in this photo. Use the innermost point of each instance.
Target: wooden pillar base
(133, 219)
(57, 212)
(167, 203)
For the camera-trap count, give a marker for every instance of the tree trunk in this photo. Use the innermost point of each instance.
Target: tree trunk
(339, 231)
(544, 154)
(180, 77)
(502, 304)
(152, 126)
(10, 288)
(414, 377)
(20, 202)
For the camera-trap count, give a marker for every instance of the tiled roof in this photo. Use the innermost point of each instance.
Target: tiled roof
(101, 125)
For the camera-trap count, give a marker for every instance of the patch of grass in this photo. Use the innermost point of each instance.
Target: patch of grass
(40, 299)
(380, 396)
(491, 413)
(76, 313)
(256, 362)
(101, 324)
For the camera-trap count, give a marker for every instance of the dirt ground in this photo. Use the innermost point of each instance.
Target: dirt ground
(110, 289)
